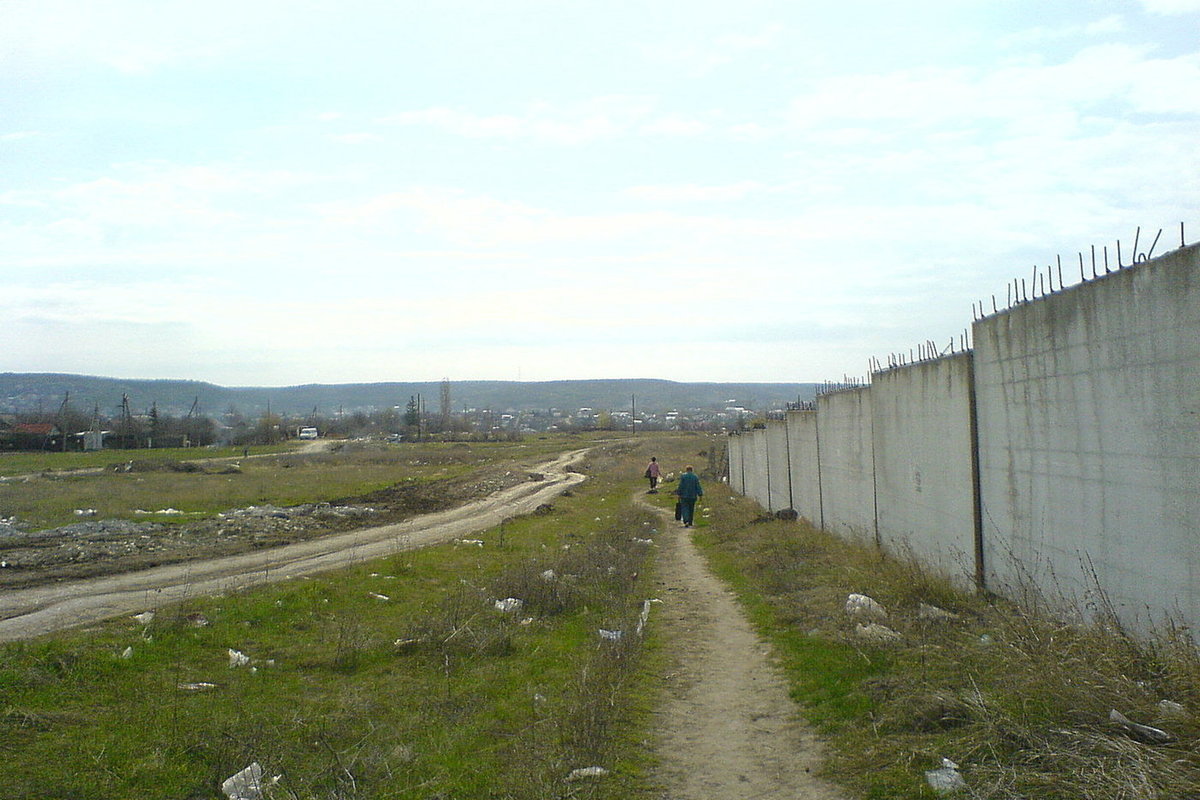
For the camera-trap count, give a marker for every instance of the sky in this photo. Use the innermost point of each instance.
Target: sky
(276, 193)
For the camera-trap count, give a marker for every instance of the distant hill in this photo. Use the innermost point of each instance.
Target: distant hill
(25, 392)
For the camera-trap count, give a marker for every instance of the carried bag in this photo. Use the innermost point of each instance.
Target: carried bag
(678, 510)
(647, 475)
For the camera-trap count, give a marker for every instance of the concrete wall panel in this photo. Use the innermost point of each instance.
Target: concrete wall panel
(847, 463)
(804, 472)
(779, 473)
(757, 478)
(924, 486)
(1089, 437)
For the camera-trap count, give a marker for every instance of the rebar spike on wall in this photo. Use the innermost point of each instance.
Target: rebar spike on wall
(1082, 277)
(1120, 266)
(1150, 253)
(1024, 296)
(1106, 269)
(1136, 238)
(1182, 241)
(1093, 261)
(1060, 280)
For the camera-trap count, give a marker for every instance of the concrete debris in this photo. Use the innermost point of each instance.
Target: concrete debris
(85, 512)
(378, 596)
(636, 540)
(237, 658)
(1169, 709)
(859, 605)
(1142, 733)
(587, 772)
(470, 542)
(934, 614)
(611, 636)
(197, 687)
(876, 632)
(127, 653)
(145, 617)
(197, 620)
(509, 604)
(549, 576)
(946, 779)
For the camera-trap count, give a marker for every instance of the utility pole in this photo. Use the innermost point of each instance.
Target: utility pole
(633, 414)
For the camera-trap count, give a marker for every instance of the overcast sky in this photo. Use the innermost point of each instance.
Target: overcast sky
(276, 193)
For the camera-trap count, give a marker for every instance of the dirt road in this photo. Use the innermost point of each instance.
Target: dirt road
(729, 729)
(29, 612)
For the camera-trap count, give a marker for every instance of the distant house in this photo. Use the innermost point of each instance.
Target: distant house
(31, 436)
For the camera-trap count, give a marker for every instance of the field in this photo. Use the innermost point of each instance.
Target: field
(401, 678)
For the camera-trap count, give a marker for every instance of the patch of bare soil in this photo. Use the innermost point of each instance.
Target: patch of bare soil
(92, 548)
(728, 728)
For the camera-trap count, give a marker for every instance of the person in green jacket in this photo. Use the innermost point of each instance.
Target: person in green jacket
(689, 492)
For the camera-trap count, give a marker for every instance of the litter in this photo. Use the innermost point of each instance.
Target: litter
(379, 596)
(587, 772)
(197, 687)
(144, 617)
(127, 653)
(611, 636)
(947, 779)
(508, 604)
(237, 658)
(1142, 733)
(549, 575)
(248, 784)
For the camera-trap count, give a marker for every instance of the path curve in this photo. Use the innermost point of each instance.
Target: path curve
(728, 728)
(31, 612)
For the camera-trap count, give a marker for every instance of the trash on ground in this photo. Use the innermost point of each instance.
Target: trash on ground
(471, 542)
(611, 636)
(127, 653)
(587, 772)
(1142, 733)
(248, 784)
(549, 575)
(379, 596)
(509, 604)
(145, 617)
(946, 779)
(860, 605)
(237, 658)
(202, 686)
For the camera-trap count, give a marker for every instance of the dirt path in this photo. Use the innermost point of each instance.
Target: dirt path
(729, 729)
(30, 612)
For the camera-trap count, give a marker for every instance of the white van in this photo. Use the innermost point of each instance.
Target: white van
(307, 433)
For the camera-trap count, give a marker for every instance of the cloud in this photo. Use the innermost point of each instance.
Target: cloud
(1171, 7)
(701, 56)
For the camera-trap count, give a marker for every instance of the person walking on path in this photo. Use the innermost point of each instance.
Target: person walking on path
(689, 492)
(653, 472)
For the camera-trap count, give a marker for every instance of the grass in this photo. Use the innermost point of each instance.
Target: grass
(1019, 700)
(24, 463)
(430, 693)
(282, 479)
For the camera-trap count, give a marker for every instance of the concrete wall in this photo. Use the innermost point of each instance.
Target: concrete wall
(737, 475)
(803, 470)
(757, 479)
(847, 463)
(1089, 440)
(924, 475)
(779, 495)
(1086, 446)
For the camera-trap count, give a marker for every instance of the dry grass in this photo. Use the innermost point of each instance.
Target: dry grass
(1018, 699)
